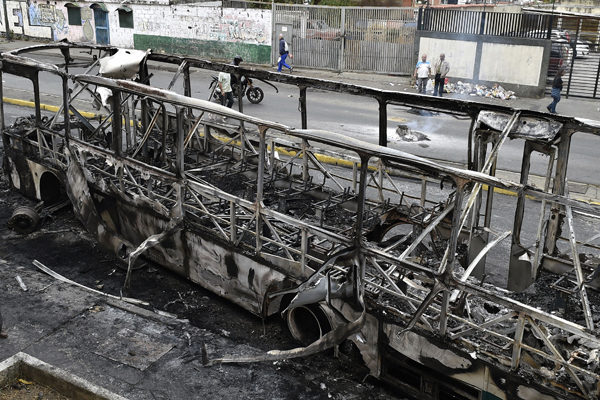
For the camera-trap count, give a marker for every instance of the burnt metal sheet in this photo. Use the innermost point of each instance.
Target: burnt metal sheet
(526, 128)
(124, 64)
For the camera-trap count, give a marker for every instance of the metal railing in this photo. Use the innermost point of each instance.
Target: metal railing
(533, 26)
(347, 38)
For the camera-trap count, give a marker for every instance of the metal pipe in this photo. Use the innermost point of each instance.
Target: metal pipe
(303, 112)
(382, 121)
(260, 185)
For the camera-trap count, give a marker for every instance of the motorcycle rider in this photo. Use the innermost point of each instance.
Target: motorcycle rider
(237, 60)
(234, 88)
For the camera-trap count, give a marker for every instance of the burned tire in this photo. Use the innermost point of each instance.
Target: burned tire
(24, 220)
(255, 95)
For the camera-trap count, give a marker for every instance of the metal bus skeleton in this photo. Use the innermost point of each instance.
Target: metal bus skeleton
(253, 212)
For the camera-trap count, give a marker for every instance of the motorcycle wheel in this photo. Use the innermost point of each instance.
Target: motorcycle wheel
(255, 95)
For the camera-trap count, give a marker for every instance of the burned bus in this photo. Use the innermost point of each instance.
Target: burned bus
(348, 241)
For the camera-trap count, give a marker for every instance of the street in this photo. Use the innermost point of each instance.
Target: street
(355, 116)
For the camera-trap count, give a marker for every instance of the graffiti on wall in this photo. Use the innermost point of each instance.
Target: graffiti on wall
(248, 27)
(40, 14)
(242, 30)
(232, 28)
(48, 15)
(54, 17)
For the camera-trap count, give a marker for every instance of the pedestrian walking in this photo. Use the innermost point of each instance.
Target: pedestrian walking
(284, 51)
(440, 70)
(557, 85)
(422, 73)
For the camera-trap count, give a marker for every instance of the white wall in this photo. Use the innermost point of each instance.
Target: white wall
(153, 17)
(499, 62)
(192, 21)
(459, 53)
(511, 63)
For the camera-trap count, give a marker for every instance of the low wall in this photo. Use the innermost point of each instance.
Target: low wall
(518, 64)
(205, 32)
(190, 29)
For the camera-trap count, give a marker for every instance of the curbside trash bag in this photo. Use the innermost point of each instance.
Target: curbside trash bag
(429, 86)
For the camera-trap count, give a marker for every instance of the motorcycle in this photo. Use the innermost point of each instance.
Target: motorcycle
(254, 94)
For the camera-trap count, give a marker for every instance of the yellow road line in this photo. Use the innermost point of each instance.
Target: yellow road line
(46, 107)
(321, 157)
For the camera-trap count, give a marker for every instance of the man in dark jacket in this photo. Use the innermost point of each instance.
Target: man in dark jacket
(283, 53)
(557, 85)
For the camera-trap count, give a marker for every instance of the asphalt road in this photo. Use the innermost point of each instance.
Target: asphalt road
(357, 117)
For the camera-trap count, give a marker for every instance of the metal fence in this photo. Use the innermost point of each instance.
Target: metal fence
(534, 26)
(576, 49)
(347, 38)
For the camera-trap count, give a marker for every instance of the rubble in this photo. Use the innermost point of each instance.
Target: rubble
(410, 135)
(474, 89)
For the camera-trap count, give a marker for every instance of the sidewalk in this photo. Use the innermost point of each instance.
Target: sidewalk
(577, 107)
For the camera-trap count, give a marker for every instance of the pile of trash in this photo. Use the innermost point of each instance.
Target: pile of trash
(473, 89)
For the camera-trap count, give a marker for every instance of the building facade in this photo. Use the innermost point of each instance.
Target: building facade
(201, 29)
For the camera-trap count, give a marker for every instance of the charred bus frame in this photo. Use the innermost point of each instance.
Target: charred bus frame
(251, 211)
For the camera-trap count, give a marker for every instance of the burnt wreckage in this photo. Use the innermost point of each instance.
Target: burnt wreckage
(385, 249)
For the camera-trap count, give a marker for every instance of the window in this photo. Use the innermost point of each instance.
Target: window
(125, 17)
(74, 14)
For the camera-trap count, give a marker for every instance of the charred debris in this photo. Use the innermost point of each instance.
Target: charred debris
(347, 240)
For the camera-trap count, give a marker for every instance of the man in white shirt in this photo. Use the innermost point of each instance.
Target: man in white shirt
(225, 88)
(422, 73)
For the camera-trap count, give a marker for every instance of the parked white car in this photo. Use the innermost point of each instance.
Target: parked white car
(582, 49)
(564, 37)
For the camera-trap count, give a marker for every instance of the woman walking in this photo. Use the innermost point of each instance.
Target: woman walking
(557, 85)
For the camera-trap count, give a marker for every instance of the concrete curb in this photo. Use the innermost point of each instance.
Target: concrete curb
(22, 365)
(326, 159)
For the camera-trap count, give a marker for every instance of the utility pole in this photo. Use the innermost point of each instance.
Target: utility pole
(8, 33)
